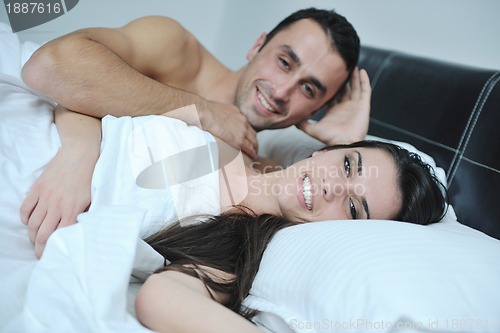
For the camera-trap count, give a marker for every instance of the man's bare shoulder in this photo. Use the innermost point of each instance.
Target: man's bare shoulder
(175, 56)
(159, 35)
(154, 25)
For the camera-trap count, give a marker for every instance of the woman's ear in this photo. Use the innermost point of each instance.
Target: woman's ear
(256, 46)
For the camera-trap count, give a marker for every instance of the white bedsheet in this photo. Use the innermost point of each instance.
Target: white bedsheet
(133, 146)
(80, 285)
(81, 282)
(20, 164)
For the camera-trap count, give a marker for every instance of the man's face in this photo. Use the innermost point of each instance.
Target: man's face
(290, 78)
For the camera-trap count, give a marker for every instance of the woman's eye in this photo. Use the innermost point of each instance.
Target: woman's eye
(347, 166)
(352, 208)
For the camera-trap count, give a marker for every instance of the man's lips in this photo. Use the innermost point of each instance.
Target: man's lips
(264, 105)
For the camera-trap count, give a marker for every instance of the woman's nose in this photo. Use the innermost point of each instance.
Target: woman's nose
(333, 189)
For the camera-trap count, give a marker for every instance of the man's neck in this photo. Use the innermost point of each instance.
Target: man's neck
(224, 88)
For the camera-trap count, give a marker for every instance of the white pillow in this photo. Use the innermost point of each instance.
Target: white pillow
(14, 54)
(375, 276)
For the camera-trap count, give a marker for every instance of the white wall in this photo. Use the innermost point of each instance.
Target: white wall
(203, 18)
(462, 31)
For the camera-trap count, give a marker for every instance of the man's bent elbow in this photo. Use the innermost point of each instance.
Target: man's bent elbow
(44, 69)
(37, 70)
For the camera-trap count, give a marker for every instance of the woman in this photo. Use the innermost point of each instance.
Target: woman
(229, 247)
(332, 184)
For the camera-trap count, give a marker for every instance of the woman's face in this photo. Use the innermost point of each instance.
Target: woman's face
(353, 183)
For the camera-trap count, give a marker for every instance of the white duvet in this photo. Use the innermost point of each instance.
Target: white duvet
(81, 282)
(80, 285)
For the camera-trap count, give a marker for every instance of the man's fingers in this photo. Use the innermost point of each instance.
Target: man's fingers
(250, 143)
(35, 221)
(346, 95)
(48, 226)
(65, 222)
(39, 250)
(366, 89)
(355, 84)
(248, 148)
(307, 127)
(28, 206)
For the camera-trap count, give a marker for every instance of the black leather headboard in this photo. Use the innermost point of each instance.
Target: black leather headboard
(449, 111)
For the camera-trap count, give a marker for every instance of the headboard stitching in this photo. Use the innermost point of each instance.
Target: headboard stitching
(416, 136)
(469, 128)
(381, 68)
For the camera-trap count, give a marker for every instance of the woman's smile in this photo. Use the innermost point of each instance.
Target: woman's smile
(307, 193)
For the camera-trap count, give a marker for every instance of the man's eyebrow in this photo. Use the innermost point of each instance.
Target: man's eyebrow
(292, 55)
(289, 51)
(321, 87)
(360, 172)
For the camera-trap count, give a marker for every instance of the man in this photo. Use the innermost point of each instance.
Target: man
(153, 66)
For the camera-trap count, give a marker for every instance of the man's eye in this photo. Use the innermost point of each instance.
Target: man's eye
(308, 90)
(284, 64)
(352, 208)
(347, 166)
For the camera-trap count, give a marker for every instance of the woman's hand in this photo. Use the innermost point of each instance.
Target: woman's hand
(348, 120)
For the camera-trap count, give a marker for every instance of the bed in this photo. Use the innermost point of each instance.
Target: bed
(383, 276)
(386, 276)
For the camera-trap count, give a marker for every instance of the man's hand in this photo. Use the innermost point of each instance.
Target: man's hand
(228, 124)
(63, 189)
(224, 121)
(348, 120)
(57, 197)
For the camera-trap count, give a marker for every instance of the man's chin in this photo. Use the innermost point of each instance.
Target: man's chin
(259, 123)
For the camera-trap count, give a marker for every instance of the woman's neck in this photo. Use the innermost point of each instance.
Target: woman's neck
(249, 188)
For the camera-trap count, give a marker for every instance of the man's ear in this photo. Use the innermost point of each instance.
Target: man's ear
(256, 46)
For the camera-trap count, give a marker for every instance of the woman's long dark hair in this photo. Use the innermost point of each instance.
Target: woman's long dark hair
(231, 242)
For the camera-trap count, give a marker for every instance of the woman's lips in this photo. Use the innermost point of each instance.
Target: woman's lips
(307, 193)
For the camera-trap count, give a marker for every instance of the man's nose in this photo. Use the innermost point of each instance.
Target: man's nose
(283, 89)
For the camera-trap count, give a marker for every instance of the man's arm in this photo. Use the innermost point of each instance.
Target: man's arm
(63, 189)
(150, 66)
(99, 71)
